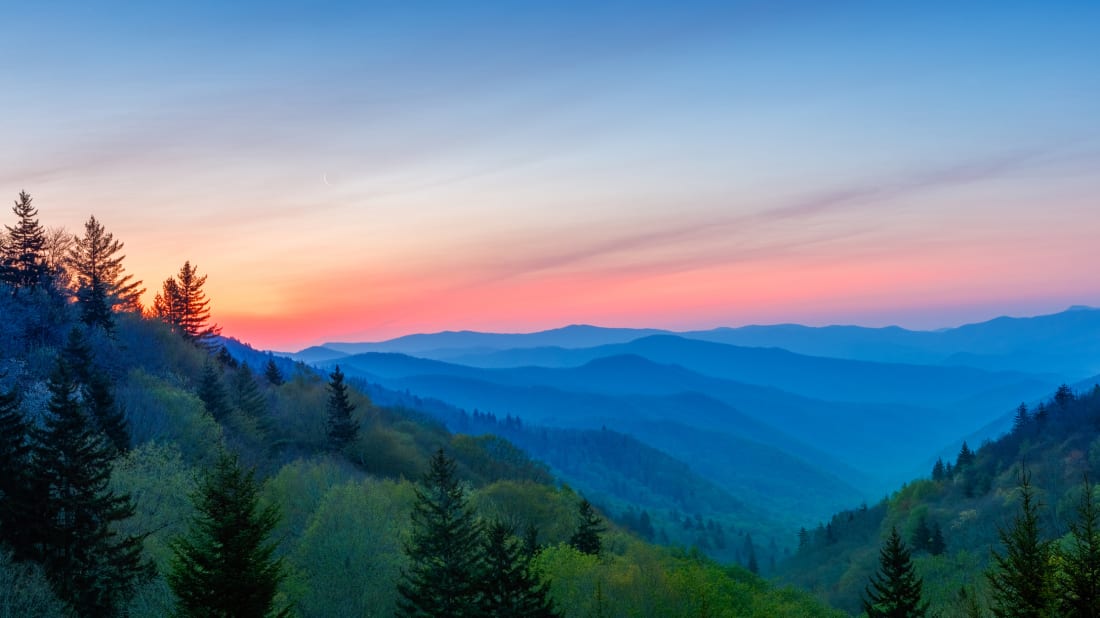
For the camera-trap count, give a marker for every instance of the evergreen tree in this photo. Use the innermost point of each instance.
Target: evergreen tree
(445, 571)
(1079, 583)
(24, 260)
(586, 538)
(342, 428)
(750, 556)
(531, 545)
(939, 472)
(1021, 578)
(1063, 396)
(97, 392)
(938, 545)
(16, 502)
(182, 303)
(895, 591)
(90, 566)
(509, 589)
(965, 458)
(225, 566)
(212, 392)
(101, 286)
(226, 358)
(272, 373)
(1022, 418)
(247, 393)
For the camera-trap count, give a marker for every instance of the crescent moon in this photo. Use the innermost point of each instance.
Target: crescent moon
(324, 179)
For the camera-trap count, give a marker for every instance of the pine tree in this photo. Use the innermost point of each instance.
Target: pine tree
(586, 538)
(16, 502)
(102, 288)
(247, 393)
(342, 428)
(445, 572)
(225, 566)
(97, 392)
(531, 546)
(23, 260)
(509, 590)
(1079, 581)
(1021, 420)
(965, 458)
(91, 567)
(895, 591)
(803, 538)
(183, 305)
(939, 472)
(272, 373)
(1021, 578)
(750, 556)
(212, 392)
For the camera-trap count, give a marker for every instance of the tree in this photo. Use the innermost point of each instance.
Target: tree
(750, 556)
(1063, 396)
(1079, 581)
(272, 373)
(102, 288)
(184, 306)
(92, 568)
(510, 590)
(24, 265)
(16, 518)
(97, 392)
(965, 458)
(212, 392)
(444, 549)
(1021, 578)
(342, 428)
(939, 472)
(1021, 420)
(895, 590)
(922, 535)
(249, 399)
(224, 566)
(586, 538)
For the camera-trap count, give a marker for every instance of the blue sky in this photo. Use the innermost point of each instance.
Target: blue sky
(339, 169)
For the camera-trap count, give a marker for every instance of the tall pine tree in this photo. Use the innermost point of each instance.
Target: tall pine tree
(510, 590)
(272, 373)
(225, 566)
(24, 263)
(586, 538)
(91, 567)
(445, 571)
(1079, 580)
(211, 391)
(182, 303)
(895, 591)
(16, 501)
(101, 286)
(1022, 579)
(342, 428)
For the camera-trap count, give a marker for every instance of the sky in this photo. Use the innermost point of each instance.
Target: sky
(353, 171)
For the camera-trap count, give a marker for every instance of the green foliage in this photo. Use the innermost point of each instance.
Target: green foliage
(586, 539)
(342, 428)
(444, 574)
(25, 592)
(92, 568)
(895, 591)
(509, 589)
(225, 565)
(212, 392)
(163, 412)
(349, 558)
(1022, 578)
(1078, 583)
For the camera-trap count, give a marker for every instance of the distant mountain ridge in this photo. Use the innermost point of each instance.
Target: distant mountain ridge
(1065, 343)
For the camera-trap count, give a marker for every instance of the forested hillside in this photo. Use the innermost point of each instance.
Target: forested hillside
(129, 441)
(970, 510)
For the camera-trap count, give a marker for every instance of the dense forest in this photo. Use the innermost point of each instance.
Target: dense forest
(145, 470)
(1010, 527)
